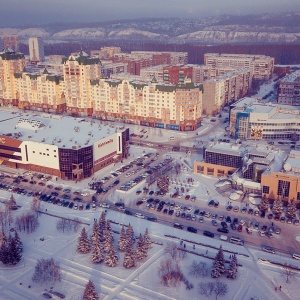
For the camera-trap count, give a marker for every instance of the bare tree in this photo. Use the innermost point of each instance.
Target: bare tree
(27, 222)
(220, 289)
(208, 288)
(175, 253)
(67, 225)
(288, 272)
(35, 205)
(47, 271)
(198, 269)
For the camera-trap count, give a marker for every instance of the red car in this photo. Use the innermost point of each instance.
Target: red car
(240, 228)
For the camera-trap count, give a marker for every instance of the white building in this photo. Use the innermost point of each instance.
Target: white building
(36, 49)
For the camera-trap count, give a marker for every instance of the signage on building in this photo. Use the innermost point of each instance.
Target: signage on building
(105, 143)
(2, 140)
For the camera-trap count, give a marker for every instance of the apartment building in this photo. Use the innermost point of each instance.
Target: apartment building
(36, 49)
(289, 89)
(78, 71)
(153, 72)
(10, 41)
(40, 91)
(250, 119)
(261, 65)
(176, 74)
(176, 107)
(224, 89)
(10, 63)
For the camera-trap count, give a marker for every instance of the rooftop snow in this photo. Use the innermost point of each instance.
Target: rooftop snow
(58, 130)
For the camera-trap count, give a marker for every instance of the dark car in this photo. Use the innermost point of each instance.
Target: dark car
(119, 204)
(71, 205)
(88, 206)
(211, 203)
(177, 225)
(139, 202)
(240, 228)
(127, 212)
(223, 230)
(47, 296)
(233, 227)
(224, 224)
(192, 229)
(152, 219)
(228, 219)
(208, 233)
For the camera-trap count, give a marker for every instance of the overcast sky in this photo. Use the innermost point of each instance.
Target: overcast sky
(37, 12)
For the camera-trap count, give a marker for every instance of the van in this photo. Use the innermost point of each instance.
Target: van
(296, 256)
(223, 237)
(236, 240)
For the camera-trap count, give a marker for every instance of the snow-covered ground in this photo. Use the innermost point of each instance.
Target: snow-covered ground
(256, 279)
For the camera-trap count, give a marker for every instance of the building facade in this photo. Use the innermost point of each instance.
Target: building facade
(225, 89)
(289, 89)
(39, 144)
(36, 49)
(262, 66)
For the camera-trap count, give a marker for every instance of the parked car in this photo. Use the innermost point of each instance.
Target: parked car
(223, 230)
(139, 215)
(268, 249)
(192, 229)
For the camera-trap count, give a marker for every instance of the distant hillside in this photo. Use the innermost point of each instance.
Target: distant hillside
(254, 29)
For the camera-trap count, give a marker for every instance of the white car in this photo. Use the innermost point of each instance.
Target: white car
(138, 215)
(105, 205)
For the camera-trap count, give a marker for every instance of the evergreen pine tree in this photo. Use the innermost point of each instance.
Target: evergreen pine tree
(141, 251)
(129, 257)
(108, 237)
(264, 204)
(97, 251)
(130, 239)
(232, 269)
(84, 245)
(291, 210)
(18, 242)
(95, 232)
(147, 240)
(4, 256)
(122, 240)
(219, 264)
(90, 292)
(111, 258)
(102, 225)
(277, 207)
(14, 253)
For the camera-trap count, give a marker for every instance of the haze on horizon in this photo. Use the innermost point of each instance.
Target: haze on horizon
(15, 13)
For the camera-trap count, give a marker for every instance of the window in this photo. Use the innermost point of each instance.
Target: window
(283, 188)
(265, 189)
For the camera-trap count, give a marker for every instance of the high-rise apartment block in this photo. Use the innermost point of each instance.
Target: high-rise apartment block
(261, 65)
(36, 49)
(289, 89)
(224, 89)
(9, 41)
(10, 63)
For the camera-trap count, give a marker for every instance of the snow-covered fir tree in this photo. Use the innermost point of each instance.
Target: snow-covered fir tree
(90, 292)
(130, 255)
(14, 253)
(102, 225)
(18, 242)
(130, 235)
(122, 243)
(291, 210)
(232, 268)
(264, 204)
(219, 264)
(108, 239)
(111, 258)
(4, 252)
(147, 239)
(141, 251)
(97, 253)
(277, 208)
(95, 232)
(83, 245)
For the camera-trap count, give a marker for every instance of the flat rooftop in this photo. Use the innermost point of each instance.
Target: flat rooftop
(55, 129)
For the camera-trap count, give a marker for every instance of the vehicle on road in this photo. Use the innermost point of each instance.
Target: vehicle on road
(296, 256)
(208, 233)
(139, 215)
(223, 230)
(268, 249)
(236, 240)
(177, 225)
(192, 229)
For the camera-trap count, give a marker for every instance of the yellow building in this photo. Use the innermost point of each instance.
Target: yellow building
(79, 70)
(10, 63)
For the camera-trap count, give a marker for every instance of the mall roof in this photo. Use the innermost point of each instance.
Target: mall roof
(63, 131)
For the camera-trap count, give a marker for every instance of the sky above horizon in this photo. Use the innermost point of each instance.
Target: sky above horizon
(15, 13)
